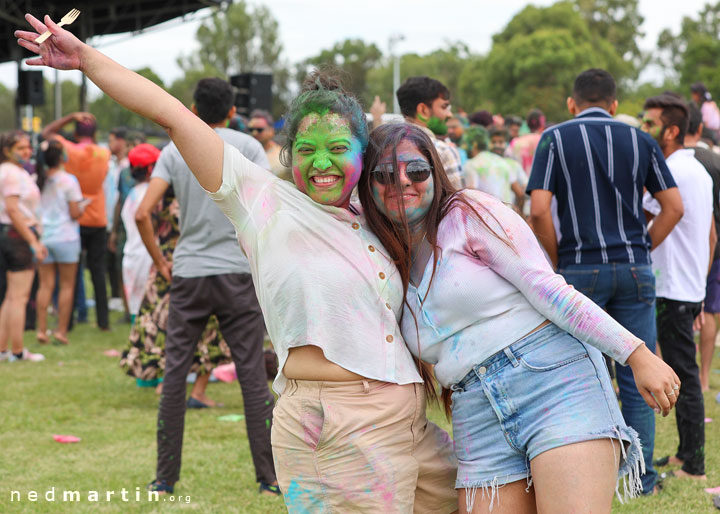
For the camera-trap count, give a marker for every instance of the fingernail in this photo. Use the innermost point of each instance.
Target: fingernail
(657, 411)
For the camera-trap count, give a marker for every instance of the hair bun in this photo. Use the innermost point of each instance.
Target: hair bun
(324, 78)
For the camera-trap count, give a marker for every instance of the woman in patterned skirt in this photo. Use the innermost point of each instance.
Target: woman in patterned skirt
(144, 357)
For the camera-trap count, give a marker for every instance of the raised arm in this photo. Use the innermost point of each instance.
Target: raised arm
(54, 127)
(199, 145)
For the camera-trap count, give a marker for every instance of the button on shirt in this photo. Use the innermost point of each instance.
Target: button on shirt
(597, 167)
(491, 289)
(317, 280)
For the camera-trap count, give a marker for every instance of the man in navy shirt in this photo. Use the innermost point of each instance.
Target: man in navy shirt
(596, 168)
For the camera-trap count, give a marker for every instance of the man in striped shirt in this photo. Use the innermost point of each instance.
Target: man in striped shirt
(596, 168)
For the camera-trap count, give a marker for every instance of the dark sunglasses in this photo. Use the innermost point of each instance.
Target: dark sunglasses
(416, 171)
(256, 129)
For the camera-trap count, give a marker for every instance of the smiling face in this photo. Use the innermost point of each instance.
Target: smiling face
(412, 198)
(19, 153)
(326, 159)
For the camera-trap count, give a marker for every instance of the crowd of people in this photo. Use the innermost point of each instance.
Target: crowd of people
(496, 258)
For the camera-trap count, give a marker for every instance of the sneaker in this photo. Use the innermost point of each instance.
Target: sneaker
(27, 356)
(160, 486)
(116, 305)
(269, 488)
(5, 355)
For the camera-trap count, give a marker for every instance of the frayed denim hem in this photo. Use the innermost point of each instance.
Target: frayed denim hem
(632, 465)
(491, 488)
(630, 469)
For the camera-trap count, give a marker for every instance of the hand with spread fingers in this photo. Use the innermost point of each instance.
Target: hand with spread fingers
(200, 146)
(62, 51)
(657, 382)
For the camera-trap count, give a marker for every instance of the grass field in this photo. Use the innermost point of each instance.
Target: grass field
(79, 391)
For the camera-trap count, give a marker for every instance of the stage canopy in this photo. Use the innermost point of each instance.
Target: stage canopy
(96, 18)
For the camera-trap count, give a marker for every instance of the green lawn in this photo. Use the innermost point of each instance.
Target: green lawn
(79, 391)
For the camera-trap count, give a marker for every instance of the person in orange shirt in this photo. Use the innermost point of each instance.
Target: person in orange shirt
(89, 163)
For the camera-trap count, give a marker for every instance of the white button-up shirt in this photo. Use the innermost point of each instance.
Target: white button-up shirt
(321, 278)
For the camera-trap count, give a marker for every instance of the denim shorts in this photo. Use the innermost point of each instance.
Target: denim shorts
(66, 252)
(544, 391)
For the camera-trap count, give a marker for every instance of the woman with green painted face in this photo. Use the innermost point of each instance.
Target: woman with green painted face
(349, 429)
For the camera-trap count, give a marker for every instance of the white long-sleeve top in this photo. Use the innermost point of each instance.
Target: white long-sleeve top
(491, 289)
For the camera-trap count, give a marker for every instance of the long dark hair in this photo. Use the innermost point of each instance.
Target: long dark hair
(702, 91)
(396, 237)
(52, 155)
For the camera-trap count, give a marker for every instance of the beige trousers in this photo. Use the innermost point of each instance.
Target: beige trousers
(361, 446)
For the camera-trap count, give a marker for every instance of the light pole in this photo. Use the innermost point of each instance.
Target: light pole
(393, 41)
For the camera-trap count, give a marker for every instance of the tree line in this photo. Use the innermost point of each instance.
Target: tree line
(532, 62)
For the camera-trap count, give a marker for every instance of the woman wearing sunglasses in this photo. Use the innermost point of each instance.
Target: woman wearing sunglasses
(349, 430)
(532, 404)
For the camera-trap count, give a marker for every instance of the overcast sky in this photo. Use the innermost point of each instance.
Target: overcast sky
(425, 24)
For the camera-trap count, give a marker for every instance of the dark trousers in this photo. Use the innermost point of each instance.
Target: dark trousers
(675, 335)
(114, 274)
(232, 299)
(94, 244)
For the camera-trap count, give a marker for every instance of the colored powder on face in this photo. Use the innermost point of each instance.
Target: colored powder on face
(437, 126)
(326, 147)
(415, 214)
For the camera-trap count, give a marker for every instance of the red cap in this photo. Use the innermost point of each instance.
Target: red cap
(143, 155)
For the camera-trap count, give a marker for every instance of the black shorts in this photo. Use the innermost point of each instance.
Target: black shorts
(15, 252)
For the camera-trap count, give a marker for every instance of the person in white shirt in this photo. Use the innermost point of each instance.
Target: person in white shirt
(681, 264)
(60, 207)
(349, 430)
(136, 260)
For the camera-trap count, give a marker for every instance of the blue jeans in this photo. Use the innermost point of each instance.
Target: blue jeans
(627, 292)
(80, 301)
